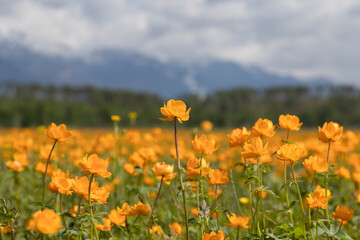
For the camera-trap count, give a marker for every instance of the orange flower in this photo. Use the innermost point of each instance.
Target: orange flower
(238, 137)
(175, 109)
(254, 148)
(289, 122)
(106, 227)
(156, 229)
(58, 133)
(74, 211)
(343, 214)
(315, 164)
(321, 189)
(95, 165)
(238, 222)
(15, 166)
(46, 222)
(141, 209)
(291, 152)
(317, 200)
(193, 167)
(176, 228)
(217, 177)
(130, 169)
(263, 128)
(81, 186)
(162, 169)
(5, 229)
(214, 236)
(116, 218)
(331, 131)
(343, 172)
(206, 125)
(40, 167)
(203, 144)
(60, 182)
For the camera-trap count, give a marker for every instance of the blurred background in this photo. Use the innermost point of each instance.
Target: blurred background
(79, 62)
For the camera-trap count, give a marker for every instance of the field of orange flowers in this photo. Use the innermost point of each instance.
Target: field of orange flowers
(273, 181)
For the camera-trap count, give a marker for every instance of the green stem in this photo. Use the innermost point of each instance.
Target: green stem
(93, 228)
(44, 179)
(61, 212)
(181, 181)
(300, 199)
(326, 182)
(1, 234)
(198, 207)
(234, 191)
(260, 193)
(238, 233)
(217, 215)
(285, 186)
(153, 208)
(317, 223)
(312, 183)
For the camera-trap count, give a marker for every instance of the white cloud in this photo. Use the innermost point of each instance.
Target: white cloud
(292, 37)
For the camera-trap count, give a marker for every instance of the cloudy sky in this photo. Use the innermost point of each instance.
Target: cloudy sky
(317, 38)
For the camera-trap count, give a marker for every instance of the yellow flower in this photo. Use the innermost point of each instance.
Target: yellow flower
(317, 200)
(115, 118)
(95, 165)
(106, 227)
(203, 144)
(254, 148)
(156, 229)
(218, 177)
(162, 169)
(291, 152)
(214, 236)
(176, 228)
(315, 164)
(263, 128)
(331, 131)
(206, 125)
(193, 167)
(289, 122)
(175, 109)
(238, 137)
(238, 222)
(244, 200)
(46, 222)
(58, 133)
(343, 214)
(132, 115)
(141, 209)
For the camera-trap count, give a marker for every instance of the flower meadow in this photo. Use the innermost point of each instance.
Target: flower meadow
(271, 181)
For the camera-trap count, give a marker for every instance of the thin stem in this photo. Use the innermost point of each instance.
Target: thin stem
(285, 184)
(238, 233)
(341, 223)
(93, 228)
(260, 192)
(317, 223)
(198, 207)
(181, 181)
(234, 191)
(44, 179)
(326, 182)
(202, 192)
(312, 183)
(61, 211)
(1, 233)
(79, 205)
(157, 197)
(217, 215)
(300, 199)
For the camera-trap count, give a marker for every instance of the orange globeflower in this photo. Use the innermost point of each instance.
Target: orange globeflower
(141, 209)
(317, 200)
(162, 169)
(315, 164)
(15, 166)
(254, 148)
(238, 137)
(263, 128)
(289, 122)
(291, 152)
(81, 185)
(116, 218)
(331, 131)
(193, 167)
(106, 227)
(60, 182)
(45, 221)
(343, 172)
(343, 214)
(206, 125)
(95, 165)
(58, 133)
(176, 228)
(203, 144)
(175, 109)
(156, 229)
(238, 222)
(214, 236)
(217, 177)
(321, 189)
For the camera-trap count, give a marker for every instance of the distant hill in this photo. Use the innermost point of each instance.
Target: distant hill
(130, 71)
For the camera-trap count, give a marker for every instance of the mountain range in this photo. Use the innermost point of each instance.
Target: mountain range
(131, 71)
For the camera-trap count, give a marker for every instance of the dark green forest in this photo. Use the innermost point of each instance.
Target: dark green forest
(31, 105)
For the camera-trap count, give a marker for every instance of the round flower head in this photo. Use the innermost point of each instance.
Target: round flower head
(206, 125)
(162, 169)
(315, 164)
(217, 177)
(238, 222)
(291, 152)
(343, 214)
(289, 122)
(254, 148)
(46, 222)
(58, 133)
(317, 200)
(331, 131)
(175, 109)
(203, 144)
(194, 168)
(238, 137)
(214, 236)
(263, 128)
(176, 228)
(104, 227)
(95, 165)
